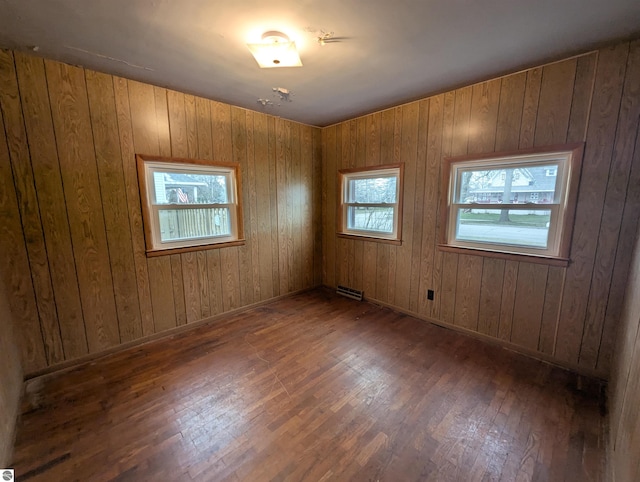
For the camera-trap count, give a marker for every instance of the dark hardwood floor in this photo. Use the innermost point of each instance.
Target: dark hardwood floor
(313, 387)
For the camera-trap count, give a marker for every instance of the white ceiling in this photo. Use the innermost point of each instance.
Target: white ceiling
(387, 51)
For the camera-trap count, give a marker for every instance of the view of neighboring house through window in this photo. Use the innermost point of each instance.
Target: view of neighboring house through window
(518, 204)
(189, 205)
(371, 202)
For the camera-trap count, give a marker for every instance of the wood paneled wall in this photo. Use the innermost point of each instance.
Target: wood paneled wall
(624, 426)
(567, 315)
(10, 380)
(72, 245)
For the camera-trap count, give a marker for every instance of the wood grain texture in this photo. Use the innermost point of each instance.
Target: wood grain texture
(508, 299)
(582, 96)
(76, 150)
(510, 112)
(263, 209)
(554, 105)
(484, 116)
(239, 136)
(528, 304)
(618, 188)
(19, 186)
(104, 124)
(491, 296)
(46, 171)
(11, 376)
(317, 206)
(624, 389)
(127, 153)
(468, 284)
(595, 172)
(408, 155)
(312, 387)
(551, 309)
(252, 208)
(77, 268)
(150, 125)
(431, 186)
(416, 296)
(589, 97)
(530, 108)
(569, 313)
(630, 222)
(178, 288)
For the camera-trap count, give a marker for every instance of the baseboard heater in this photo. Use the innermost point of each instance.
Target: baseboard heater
(349, 292)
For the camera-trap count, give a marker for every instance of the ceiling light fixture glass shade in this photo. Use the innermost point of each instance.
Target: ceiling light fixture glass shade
(276, 50)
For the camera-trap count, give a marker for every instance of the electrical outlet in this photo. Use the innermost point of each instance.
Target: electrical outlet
(430, 295)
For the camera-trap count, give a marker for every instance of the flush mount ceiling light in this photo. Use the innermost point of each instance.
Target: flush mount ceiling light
(275, 50)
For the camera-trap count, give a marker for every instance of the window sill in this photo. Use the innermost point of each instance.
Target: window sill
(487, 253)
(374, 239)
(151, 253)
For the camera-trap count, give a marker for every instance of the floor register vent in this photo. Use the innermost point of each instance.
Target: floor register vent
(349, 292)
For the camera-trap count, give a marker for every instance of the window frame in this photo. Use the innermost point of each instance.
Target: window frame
(344, 175)
(562, 212)
(147, 165)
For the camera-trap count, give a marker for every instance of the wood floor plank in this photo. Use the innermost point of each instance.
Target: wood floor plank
(310, 387)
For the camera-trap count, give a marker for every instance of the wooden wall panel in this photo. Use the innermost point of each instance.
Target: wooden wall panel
(409, 153)
(15, 269)
(528, 304)
(614, 202)
(263, 210)
(624, 389)
(239, 155)
(605, 107)
(429, 216)
(573, 316)
(127, 154)
(564, 314)
(490, 296)
(21, 186)
(76, 151)
(46, 171)
(72, 252)
(11, 376)
(416, 296)
(554, 105)
(317, 206)
(251, 217)
(114, 201)
(148, 121)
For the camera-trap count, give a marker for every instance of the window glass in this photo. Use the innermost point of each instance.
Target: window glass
(507, 227)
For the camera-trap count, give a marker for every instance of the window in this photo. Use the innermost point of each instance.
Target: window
(509, 206)
(189, 204)
(371, 202)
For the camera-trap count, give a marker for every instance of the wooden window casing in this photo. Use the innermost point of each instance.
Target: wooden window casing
(199, 219)
(347, 205)
(560, 205)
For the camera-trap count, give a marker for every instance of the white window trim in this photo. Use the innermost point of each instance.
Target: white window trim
(387, 170)
(147, 165)
(568, 157)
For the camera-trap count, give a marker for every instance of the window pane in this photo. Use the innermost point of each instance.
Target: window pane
(372, 190)
(529, 228)
(513, 185)
(183, 188)
(364, 218)
(178, 224)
